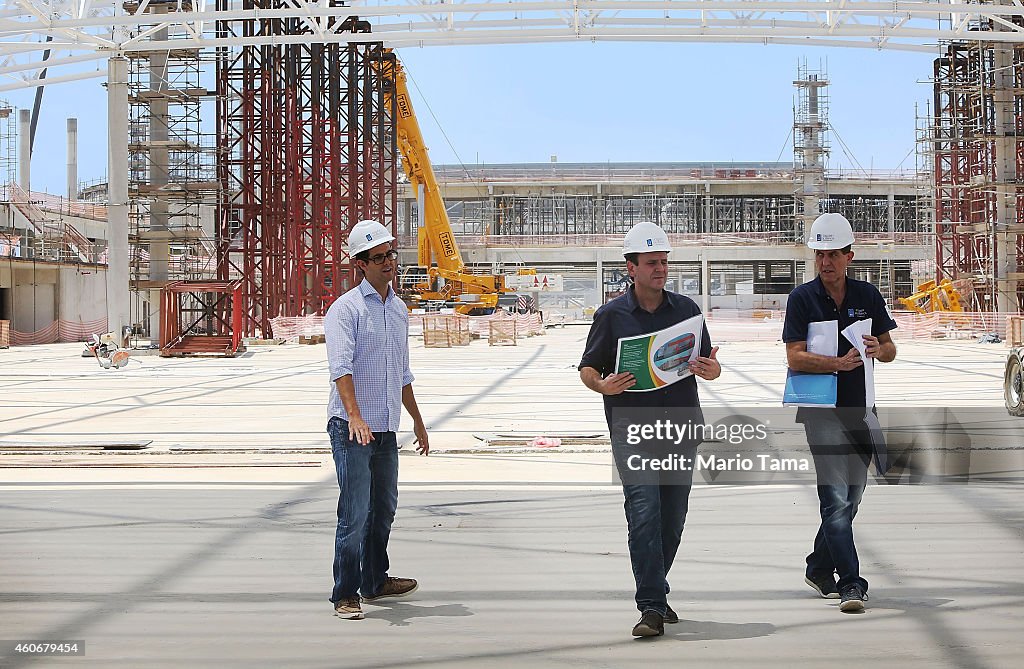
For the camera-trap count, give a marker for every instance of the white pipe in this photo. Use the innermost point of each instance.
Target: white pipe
(25, 149)
(72, 159)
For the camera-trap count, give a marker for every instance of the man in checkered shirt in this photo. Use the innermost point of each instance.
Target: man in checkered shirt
(367, 332)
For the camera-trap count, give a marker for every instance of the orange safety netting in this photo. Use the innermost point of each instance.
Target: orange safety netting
(290, 328)
(60, 331)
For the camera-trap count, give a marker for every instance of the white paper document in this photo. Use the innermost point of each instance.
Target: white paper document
(855, 333)
(823, 338)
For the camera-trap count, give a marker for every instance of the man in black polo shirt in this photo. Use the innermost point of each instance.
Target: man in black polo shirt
(840, 440)
(655, 502)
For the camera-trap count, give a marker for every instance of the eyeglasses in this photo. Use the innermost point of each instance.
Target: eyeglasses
(379, 258)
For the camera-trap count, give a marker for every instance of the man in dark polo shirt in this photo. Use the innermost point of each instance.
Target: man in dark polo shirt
(839, 439)
(655, 502)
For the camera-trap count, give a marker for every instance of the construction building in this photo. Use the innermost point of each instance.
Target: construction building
(304, 147)
(737, 220)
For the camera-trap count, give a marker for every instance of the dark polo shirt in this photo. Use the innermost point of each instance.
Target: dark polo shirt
(810, 303)
(624, 317)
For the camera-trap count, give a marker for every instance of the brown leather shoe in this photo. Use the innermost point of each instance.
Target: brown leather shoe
(395, 587)
(349, 609)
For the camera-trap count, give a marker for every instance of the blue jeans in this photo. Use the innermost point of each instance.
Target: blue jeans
(841, 458)
(368, 480)
(655, 514)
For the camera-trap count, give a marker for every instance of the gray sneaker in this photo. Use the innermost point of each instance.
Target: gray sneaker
(670, 616)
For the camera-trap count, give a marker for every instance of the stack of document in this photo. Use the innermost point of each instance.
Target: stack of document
(804, 389)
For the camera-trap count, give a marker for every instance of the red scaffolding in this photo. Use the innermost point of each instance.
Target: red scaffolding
(979, 202)
(201, 318)
(307, 149)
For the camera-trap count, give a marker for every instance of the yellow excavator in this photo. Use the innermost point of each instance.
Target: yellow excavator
(932, 297)
(440, 276)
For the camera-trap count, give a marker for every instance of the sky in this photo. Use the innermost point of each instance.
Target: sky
(596, 102)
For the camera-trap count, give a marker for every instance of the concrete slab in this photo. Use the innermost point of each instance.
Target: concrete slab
(213, 546)
(275, 397)
(207, 574)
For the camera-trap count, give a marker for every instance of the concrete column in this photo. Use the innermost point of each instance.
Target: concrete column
(159, 233)
(25, 149)
(118, 315)
(705, 282)
(72, 159)
(1003, 295)
(600, 280)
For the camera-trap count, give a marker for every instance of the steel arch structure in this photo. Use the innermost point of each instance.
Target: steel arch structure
(75, 32)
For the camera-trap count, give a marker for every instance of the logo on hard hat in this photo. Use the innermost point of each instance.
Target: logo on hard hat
(818, 237)
(650, 242)
(369, 238)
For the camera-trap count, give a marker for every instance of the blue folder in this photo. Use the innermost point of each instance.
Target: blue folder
(804, 389)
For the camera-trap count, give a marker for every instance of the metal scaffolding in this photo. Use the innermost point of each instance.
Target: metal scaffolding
(974, 143)
(810, 144)
(692, 210)
(171, 169)
(307, 149)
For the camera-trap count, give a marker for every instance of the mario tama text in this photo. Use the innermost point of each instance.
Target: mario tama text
(713, 462)
(668, 446)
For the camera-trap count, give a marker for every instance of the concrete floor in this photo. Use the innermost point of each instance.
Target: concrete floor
(222, 557)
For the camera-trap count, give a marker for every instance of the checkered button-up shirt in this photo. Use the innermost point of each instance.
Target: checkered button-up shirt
(367, 337)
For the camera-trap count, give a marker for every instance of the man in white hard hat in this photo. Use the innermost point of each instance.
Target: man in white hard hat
(839, 439)
(655, 504)
(368, 355)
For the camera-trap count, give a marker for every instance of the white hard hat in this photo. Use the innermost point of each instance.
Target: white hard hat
(830, 231)
(644, 238)
(365, 235)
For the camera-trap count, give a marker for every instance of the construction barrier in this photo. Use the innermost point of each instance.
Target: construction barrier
(1014, 330)
(292, 328)
(740, 325)
(502, 332)
(60, 331)
(445, 330)
(527, 325)
(950, 325)
(731, 325)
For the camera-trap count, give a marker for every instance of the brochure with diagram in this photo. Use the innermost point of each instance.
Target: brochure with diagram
(660, 358)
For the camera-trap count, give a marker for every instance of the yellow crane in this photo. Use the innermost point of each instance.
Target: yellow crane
(931, 297)
(441, 273)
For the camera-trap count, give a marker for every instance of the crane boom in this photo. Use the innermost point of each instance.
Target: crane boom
(436, 239)
(416, 163)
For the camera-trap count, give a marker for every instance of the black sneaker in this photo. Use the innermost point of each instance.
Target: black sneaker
(651, 623)
(852, 598)
(825, 586)
(670, 616)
